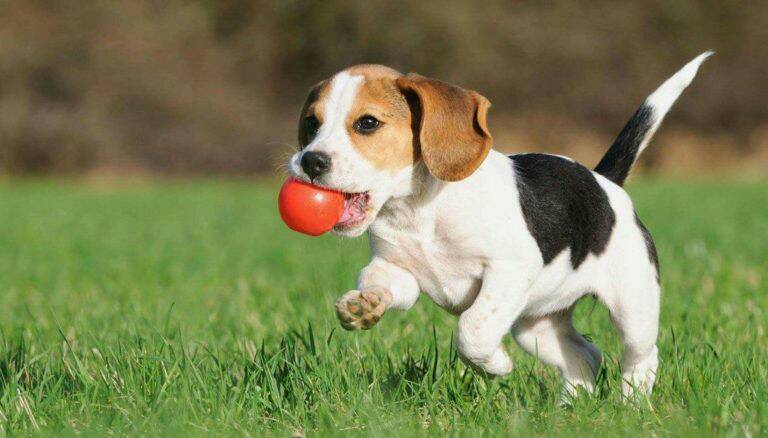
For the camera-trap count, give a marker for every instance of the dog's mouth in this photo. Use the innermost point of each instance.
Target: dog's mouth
(355, 210)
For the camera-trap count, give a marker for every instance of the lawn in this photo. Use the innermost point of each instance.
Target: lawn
(187, 307)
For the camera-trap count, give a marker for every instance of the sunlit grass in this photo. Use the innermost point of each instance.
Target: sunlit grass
(188, 307)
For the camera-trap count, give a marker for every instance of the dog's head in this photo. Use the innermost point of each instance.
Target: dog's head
(364, 130)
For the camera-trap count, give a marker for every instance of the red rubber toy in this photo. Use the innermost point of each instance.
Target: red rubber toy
(309, 209)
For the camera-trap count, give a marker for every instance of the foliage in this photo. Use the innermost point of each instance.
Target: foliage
(208, 86)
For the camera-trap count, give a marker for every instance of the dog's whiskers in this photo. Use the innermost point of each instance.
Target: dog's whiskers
(290, 146)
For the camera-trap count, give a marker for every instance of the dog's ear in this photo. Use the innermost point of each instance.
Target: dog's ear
(450, 125)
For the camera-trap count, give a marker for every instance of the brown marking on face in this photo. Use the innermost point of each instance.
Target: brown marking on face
(373, 71)
(391, 147)
(313, 107)
(420, 118)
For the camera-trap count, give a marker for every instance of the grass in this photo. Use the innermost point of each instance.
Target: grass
(187, 307)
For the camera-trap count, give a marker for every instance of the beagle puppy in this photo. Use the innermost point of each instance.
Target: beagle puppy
(506, 243)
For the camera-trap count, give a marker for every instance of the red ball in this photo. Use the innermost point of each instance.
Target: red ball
(309, 209)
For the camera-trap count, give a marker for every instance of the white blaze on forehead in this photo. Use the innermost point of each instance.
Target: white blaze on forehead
(340, 99)
(350, 171)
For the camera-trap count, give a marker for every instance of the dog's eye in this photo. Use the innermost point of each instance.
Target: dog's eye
(311, 126)
(366, 124)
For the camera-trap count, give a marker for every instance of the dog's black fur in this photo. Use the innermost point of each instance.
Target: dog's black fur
(618, 160)
(653, 255)
(564, 206)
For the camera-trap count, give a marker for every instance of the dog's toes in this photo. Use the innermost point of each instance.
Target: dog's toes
(344, 317)
(372, 298)
(368, 322)
(360, 310)
(355, 307)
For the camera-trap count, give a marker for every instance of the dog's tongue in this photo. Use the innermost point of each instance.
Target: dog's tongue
(347, 214)
(352, 210)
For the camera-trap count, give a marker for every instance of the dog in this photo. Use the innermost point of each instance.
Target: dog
(506, 243)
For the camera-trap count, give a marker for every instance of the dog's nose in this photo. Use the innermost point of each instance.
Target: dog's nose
(315, 163)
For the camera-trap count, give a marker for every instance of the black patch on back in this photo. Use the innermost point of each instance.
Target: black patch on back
(564, 206)
(652, 254)
(617, 162)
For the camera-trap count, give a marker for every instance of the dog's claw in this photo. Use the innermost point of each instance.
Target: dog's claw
(362, 310)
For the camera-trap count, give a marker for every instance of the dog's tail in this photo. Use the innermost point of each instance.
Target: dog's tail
(636, 134)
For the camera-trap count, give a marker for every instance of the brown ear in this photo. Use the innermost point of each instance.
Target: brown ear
(451, 128)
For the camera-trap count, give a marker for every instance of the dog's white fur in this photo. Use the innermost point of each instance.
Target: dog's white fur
(466, 245)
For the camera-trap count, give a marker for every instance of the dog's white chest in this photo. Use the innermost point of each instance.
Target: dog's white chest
(443, 271)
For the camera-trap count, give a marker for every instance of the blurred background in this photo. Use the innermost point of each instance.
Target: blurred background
(201, 87)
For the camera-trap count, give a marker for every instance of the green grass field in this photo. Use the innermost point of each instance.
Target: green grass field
(187, 307)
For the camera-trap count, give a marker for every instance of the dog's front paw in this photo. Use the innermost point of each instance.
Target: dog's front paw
(362, 310)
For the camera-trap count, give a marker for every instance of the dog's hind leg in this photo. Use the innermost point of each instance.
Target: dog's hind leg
(554, 341)
(636, 317)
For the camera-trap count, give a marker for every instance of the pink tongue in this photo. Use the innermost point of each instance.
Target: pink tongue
(351, 212)
(347, 215)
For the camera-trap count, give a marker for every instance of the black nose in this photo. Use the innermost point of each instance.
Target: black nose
(315, 163)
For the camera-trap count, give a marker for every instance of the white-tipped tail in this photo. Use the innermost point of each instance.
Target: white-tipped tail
(637, 133)
(661, 100)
